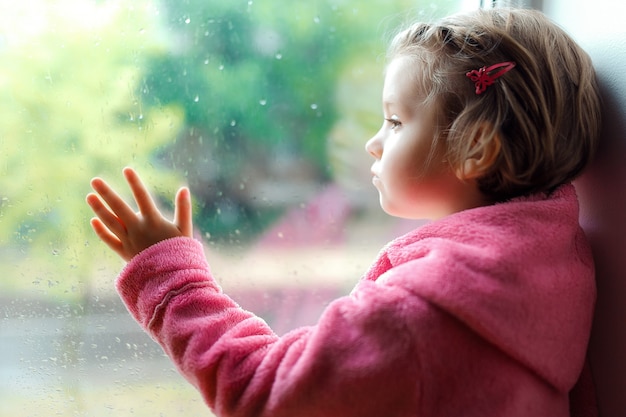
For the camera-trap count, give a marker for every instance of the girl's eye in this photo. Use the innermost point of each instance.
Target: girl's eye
(395, 123)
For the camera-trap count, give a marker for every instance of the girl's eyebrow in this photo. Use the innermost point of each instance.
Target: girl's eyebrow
(387, 104)
(391, 106)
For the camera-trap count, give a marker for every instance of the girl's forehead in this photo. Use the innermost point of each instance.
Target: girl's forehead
(401, 82)
(398, 72)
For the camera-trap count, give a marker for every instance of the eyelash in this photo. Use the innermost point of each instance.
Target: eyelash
(395, 123)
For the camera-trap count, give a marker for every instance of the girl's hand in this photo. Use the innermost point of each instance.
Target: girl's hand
(128, 232)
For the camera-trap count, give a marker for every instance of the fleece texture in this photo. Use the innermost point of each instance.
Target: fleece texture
(484, 313)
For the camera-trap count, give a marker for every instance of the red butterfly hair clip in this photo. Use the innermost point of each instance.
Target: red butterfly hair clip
(485, 76)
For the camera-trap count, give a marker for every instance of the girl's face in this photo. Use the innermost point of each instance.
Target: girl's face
(412, 182)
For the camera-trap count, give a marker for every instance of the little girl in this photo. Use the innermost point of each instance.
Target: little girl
(485, 311)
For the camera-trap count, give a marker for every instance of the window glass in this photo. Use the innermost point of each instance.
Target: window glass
(261, 107)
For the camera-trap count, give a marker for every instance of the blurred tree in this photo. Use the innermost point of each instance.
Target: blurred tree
(256, 81)
(68, 111)
(238, 96)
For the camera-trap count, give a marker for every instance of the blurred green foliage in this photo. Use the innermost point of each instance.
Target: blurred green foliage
(69, 72)
(256, 81)
(228, 96)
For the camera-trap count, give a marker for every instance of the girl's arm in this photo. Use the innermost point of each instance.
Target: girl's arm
(353, 363)
(360, 360)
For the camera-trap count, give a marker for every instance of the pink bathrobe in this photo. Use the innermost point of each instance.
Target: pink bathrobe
(484, 313)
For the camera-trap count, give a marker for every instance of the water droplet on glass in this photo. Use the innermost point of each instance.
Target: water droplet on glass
(262, 102)
(221, 67)
(233, 123)
(188, 20)
(313, 106)
(279, 56)
(316, 19)
(196, 99)
(206, 61)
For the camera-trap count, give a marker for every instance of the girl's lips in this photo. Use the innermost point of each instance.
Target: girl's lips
(375, 177)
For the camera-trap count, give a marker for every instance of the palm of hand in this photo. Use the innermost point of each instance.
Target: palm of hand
(128, 232)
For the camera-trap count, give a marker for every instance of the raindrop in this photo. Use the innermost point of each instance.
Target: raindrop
(262, 102)
(196, 99)
(188, 20)
(279, 56)
(233, 123)
(316, 19)
(313, 106)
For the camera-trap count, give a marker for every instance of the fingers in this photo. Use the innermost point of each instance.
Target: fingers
(106, 218)
(142, 197)
(182, 214)
(118, 207)
(103, 232)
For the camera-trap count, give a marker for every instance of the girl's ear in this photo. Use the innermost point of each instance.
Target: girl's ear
(482, 155)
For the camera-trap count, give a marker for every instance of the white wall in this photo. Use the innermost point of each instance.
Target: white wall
(600, 27)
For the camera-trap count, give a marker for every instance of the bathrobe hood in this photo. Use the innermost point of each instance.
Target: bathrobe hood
(487, 268)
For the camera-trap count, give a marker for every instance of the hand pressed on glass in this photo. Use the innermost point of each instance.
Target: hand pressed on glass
(128, 232)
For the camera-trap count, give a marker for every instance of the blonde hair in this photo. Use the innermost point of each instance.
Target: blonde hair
(545, 112)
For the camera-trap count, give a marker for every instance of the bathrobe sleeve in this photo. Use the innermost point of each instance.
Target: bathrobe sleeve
(359, 360)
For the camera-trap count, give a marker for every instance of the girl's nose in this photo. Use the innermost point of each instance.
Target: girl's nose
(374, 147)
